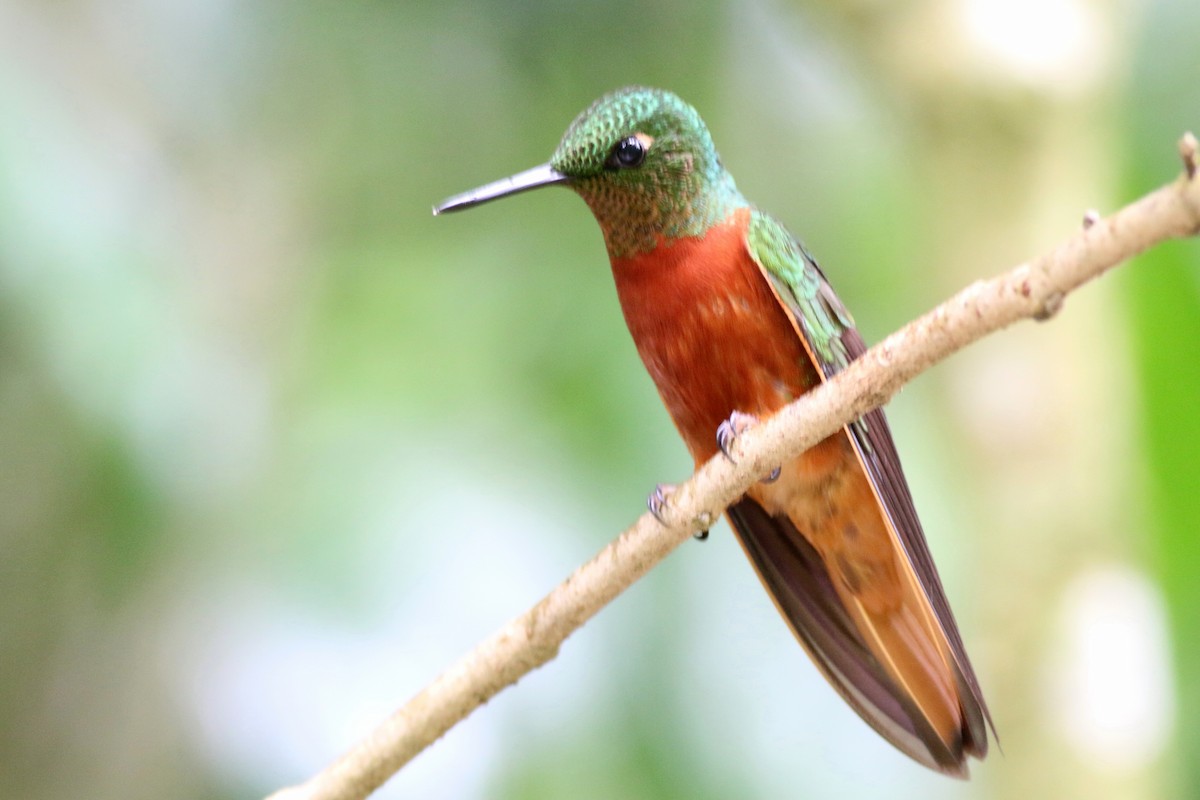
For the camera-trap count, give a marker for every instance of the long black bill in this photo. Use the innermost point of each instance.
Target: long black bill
(545, 175)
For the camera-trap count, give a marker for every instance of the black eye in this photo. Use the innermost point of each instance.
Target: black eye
(628, 153)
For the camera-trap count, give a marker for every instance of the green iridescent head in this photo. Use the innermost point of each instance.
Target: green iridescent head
(643, 161)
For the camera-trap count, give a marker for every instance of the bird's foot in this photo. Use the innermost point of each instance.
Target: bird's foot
(657, 501)
(737, 424)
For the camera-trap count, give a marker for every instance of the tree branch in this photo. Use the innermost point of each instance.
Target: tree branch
(1033, 290)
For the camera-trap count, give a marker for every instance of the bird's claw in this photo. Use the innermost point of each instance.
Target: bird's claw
(657, 502)
(737, 424)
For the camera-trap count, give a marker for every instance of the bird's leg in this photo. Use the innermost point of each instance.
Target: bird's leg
(657, 501)
(737, 424)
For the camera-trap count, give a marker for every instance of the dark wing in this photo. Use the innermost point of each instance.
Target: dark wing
(832, 342)
(873, 440)
(796, 579)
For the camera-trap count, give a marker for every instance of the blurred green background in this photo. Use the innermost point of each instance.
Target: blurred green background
(277, 446)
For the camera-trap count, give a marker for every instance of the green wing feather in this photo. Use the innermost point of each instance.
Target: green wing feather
(799, 282)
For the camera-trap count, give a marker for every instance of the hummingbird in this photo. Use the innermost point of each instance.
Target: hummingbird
(733, 319)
